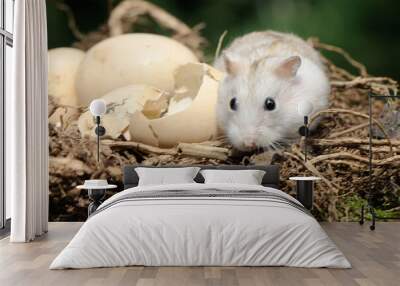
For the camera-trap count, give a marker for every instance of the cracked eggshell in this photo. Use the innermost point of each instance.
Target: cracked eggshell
(63, 116)
(130, 59)
(191, 115)
(63, 65)
(122, 103)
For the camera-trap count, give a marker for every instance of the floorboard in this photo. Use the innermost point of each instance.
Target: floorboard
(375, 257)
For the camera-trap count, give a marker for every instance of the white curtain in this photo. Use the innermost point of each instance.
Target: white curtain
(26, 119)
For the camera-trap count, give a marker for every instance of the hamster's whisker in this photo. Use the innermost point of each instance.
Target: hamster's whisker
(222, 137)
(272, 145)
(280, 144)
(276, 146)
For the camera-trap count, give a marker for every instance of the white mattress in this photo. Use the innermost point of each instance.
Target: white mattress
(191, 231)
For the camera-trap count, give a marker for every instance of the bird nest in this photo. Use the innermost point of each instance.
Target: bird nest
(338, 148)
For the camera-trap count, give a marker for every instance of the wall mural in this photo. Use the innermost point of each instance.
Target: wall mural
(168, 105)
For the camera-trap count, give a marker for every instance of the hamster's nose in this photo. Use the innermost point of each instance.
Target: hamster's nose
(249, 143)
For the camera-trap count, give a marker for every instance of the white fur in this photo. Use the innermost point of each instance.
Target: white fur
(257, 56)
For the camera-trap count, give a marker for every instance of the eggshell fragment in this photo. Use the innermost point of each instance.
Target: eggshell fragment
(191, 115)
(122, 103)
(63, 116)
(141, 131)
(130, 59)
(63, 65)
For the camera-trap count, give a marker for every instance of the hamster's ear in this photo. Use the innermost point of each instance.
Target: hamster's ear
(233, 64)
(289, 67)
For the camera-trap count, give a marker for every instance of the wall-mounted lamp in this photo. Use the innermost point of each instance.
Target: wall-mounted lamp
(304, 109)
(98, 108)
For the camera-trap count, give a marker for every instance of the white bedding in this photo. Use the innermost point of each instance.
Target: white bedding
(185, 231)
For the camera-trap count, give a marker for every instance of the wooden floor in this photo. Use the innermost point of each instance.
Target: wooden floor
(375, 257)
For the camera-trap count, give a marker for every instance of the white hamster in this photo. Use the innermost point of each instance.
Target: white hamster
(267, 75)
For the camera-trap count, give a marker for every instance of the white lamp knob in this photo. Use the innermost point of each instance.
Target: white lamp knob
(98, 107)
(305, 108)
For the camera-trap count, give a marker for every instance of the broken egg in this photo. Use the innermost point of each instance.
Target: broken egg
(127, 59)
(191, 115)
(63, 65)
(63, 116)
(122, 103)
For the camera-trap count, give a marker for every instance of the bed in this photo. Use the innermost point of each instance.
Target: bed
(201, 224)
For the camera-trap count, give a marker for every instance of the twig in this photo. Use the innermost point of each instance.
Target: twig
(136, 8)
(393, 209)
(71, 20)
(339, 71)
(349, 141)
(348, 130)
(63, 165)
(203, 151)
(361, 68)
(309, 165)
(126, 13)
(188, 149)
(383, 149)
(352, 112)
(351, 164)
(346, 155)
(219, 46)
(140, 147)
(361, 81)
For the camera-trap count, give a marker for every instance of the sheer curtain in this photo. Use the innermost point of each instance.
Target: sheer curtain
(26, 119)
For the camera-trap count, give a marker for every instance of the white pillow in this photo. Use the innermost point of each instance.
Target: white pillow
(165, 176)
(248, 177)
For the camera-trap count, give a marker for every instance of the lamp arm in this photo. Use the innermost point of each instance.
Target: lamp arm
(100, 131)
(98, 137)
(305, 137)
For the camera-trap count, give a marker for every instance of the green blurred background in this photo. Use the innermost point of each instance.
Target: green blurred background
(368, 29)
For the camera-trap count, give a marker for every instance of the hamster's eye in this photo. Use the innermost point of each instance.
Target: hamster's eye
(269, 104)
(233, 104)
